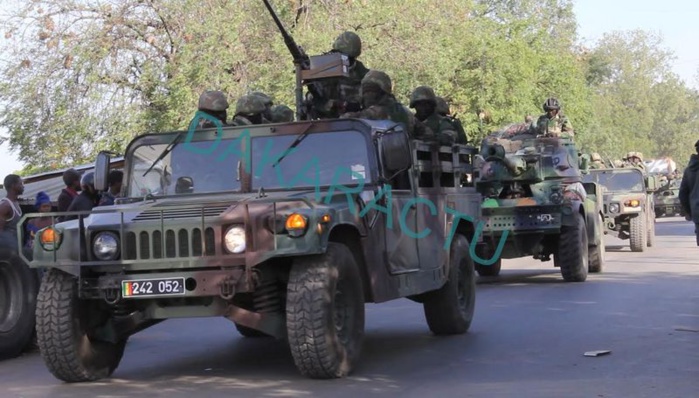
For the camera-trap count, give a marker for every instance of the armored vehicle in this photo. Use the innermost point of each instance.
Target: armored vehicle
(287, 230)
(667, 200)
(628, 205)
(535, 203)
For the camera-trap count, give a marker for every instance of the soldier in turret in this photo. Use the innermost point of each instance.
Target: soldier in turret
(424, 101)
(269, 103)
(634, 159)
(553, 122)
(596, 161)
(342, 95)
(213, 103)
(282, 114)
(443, 110)
(249, 110)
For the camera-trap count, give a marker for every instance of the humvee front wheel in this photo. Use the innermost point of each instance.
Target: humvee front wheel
(572, 254)
(64, 323)
(449, 310)
(651, 231)
(597, 252)
(638, 233)
(325, 313)
(18, 289)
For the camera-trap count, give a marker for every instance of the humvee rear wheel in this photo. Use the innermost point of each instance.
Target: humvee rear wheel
(63, 327)
(18, 289)
(325, 313)
(597, 252)
(449, 310)
(572, 254)
(638, 233)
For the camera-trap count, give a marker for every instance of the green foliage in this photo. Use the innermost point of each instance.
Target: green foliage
(79, 76)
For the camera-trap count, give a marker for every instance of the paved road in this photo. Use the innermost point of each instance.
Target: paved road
(527, 340)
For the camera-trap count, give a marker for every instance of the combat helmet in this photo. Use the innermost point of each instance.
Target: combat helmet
(249, 105)
(423, 93)
(595, 157)
(348, 43)
(442, 106)
(282, 114)
(266, 99)
(213, 101)
(551, 104)
(381, 79)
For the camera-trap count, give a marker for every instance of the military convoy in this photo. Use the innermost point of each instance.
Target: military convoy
(535, 204)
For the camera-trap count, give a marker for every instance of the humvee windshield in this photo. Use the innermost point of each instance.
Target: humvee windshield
(320, 159)
(619, 181)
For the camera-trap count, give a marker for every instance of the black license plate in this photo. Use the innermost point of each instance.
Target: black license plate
(153, 287)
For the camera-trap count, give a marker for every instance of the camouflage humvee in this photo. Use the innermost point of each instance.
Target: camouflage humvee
(536, 204)
(628, 204)
(287, 230)
(667, 200)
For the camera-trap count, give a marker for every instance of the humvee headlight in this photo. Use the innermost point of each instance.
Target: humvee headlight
(50, 239)
(105, 247)
(296, 224)
(235, 239)
(614, 208)
(632, 203)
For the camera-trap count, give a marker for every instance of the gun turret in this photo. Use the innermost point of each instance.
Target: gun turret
(309, 69)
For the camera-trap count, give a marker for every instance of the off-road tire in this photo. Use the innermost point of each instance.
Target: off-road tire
(249, 332)
(487, 270)
(68, 352)
(19, 286)
(449, 310)
(651, 231)
(325, 313)
(638, 231)
(597, 253)
(573, 252)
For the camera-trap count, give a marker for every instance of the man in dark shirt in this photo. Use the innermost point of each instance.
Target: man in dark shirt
(114, 182)
(87, 199)
(71, 178)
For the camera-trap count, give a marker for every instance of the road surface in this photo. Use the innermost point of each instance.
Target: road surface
(527, 339)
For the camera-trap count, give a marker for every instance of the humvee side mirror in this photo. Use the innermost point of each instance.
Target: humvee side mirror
(102, 170)
(395, 152)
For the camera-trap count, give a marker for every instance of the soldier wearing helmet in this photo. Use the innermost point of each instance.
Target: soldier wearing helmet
(443, 110)
(342, 94)
(213, 103)
(267, 114)
(424, 101)
(282, 114)
(596, 161)
(553, 122)
(634, 159)
(249, 110)
(379, 103)
(88, 198)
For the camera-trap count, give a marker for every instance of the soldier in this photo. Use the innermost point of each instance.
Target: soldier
(213, 103)
(342, 95)
(689, 191)
(87, 199)
(249, 110)
(267, 114)
(380, 104)
(10, 211)
(634, 159)
(596, 161)
(282, 114)
(443, 110)
(424, 101)
(553, 123)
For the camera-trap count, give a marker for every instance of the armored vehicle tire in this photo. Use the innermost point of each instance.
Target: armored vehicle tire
(249, 332)
(573, 252)
(597, 252)
(449, 310)
(638, 233)
(659, 214)
(62, 327)
(19, 286)
(325, 313)
(651, 232)
(489, 270)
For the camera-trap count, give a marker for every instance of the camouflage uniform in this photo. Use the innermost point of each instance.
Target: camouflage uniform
(249, 110)
(556, 124)
(440, 128)
(443, 110)
(597, 162)
(213, 103)
(268, 104)
(342, 94)
(634, 159)
(282, 114)
(387, 107)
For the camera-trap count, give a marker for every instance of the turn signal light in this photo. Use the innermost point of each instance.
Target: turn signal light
(295, 222)
(49, 239)
(632, 203)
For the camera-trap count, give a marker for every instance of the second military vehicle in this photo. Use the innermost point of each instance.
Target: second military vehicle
(535, 204)
(667, 200)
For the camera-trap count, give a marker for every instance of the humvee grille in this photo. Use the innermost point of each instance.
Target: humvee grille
(155, 214)
(176, 244)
